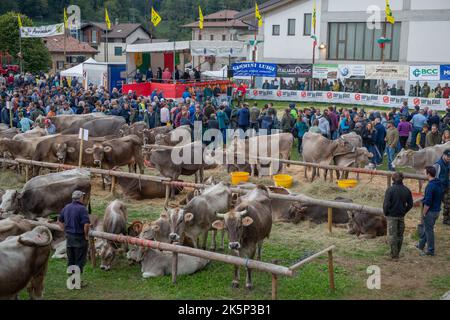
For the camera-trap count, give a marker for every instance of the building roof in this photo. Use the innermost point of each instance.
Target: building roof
(263, 7)
(121, 30)
(55, 44)
(220, 19)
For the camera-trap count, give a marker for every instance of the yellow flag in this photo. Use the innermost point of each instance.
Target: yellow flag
(19, 21)
(389, 16)
(66, 20)
(200, 13)
(107, 21)
(156, 19)
(258, 15)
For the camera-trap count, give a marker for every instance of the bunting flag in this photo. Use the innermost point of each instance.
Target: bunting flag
(66, 20)
(19, 21)
(313, 23)
(258, 15)
(200, 14)
(389, 16)
(107, 21)
(156, 18)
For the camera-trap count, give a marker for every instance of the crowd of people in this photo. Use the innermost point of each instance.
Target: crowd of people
(349, 85)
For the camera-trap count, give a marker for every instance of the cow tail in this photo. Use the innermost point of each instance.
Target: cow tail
(89, 208)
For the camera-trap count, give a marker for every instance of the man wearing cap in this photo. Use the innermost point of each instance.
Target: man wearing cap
(74, 219)
(442, 173)
(49, 127)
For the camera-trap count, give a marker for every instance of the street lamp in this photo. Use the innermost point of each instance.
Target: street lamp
(322, 46)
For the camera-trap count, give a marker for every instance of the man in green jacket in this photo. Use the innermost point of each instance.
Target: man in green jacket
(392, 139)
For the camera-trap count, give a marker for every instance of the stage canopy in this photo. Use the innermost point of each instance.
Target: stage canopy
(158, 47)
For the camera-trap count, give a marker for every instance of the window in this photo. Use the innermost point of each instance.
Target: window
(118, 51)
(59, 65)
(94, 36)
(224, 37)
(307, 24)
(212, 37)
(276, 30)
(354, 41)
(291, 27)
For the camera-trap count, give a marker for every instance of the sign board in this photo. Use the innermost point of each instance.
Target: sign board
(387, 72)
(325, 71)
(424, 73)
(350, 98)
(294, 70)
(256, 69)
(43, 31)
(83, 134)
(445, 72)
(352, 71)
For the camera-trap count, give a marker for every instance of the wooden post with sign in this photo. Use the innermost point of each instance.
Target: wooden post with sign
(83, 135)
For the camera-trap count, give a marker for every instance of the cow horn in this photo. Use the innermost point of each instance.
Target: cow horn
(89, 151)
(220, 215)
(241, 213)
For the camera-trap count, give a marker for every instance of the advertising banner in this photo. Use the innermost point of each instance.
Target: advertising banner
(325, 71)
(445, 72)
(43, 31)
(347, 98)
(257, 69)
(387, 72)
(424, 73)
(352, 71)
(295, 70)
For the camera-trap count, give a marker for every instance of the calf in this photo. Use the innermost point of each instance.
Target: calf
(24, 261)
(368, 224)
(195, 219)
(115, 221)
(248, 224)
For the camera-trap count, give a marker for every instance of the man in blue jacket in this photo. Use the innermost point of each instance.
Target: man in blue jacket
(430, 212)
(243, 117)
(442, 173)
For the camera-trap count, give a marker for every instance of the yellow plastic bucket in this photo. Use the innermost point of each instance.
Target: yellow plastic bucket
(238, 177)
(345, 184)
(283, 180)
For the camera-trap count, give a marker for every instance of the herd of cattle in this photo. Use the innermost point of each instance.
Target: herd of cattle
(246, 219)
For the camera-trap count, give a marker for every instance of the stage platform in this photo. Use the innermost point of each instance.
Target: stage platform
(172, 90)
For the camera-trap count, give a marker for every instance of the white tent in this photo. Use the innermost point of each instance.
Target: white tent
(76, 71)
(221, 74)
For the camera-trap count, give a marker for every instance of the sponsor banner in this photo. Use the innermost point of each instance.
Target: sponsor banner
(424, 73)
(352, 71)
(445, 72)
(325, 71)
(387, 72)
(347, 98)
(257, 69)
(294, 70)
(43, 31)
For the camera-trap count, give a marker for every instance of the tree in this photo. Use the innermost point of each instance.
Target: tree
(35, 54)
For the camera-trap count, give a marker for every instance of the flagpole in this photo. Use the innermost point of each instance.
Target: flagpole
(314, 44)
(384, 36)
(21, 54)
(65, 48)
(106, 47)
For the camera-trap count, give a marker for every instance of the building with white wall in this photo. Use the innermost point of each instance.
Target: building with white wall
(418, 36)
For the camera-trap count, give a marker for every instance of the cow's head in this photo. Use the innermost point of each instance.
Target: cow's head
(343, 147)
(61, 150)
(124, 131)
(158, 230)
(135, 255)
(135, 229)
(403, 159)
(234, 222)
(38, 237)
(98, 152)
(178, 220)
(10, 203)
(107, 255)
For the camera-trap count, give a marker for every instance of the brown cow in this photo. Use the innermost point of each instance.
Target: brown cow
(149, 135)
(143, 189)
(248, 224)
(368, 224)
(24, 262)
(117, 153)
(135, 129)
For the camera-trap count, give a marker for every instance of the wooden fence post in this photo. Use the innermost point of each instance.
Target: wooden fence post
(174, 266)
(331, 269)
(27, 173)
(330, 220)
(113, 184)
(168, 190)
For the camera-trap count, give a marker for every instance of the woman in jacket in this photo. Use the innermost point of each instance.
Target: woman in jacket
(369, 134)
